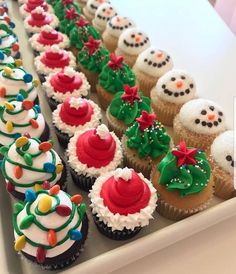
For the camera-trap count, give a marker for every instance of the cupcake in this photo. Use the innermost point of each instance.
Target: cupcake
(172, 90)
(150, 65)
(82, 4)
(38, 18)
(50, 228)
(103, 14)
(114, 75)
(53, 60)
(131, 43)
(125, 107)
(17, 80)
(122, 203)
(30, 164)
(183, 181)
(68, 22)
(145, 143)
(30, 5)
(18, 117)
(91, 6)
(199, 122)
(62, 6)
(66, 83)
(223, 163)
(91, 153)
(114, 28)
(6, 20)
(91, 59)
(75, 114)
(46, 38)
(7, 60)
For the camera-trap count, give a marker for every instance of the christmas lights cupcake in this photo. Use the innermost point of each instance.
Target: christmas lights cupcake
(172, 90)
(7, 60)
(37, 19)
(145, 143)
(17, 80)
(131, 43)
(122, 202)
(75, 114)
(53, 60)
(103, 14)
(114, 75)
(66, 83)
(150, 66)
(90, 9)
(91, 59)
(68, 22)
(91, 153)
(50, 228)
(62, 5)
(30, 5)
(114, 28)
(125, 107)
(199, 122)
(30, 164)
(223, 163)
(183, 181)
(46, 38)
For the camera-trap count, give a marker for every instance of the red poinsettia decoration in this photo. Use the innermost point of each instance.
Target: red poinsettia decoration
(115, 62)
(184, 155)
(130, 94)
(146, 120)
(67, 2)
(92, 45)
(71, 14)
(82, 22)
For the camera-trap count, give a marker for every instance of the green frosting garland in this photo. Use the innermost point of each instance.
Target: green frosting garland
(188, 178)
(9, 33)
(60, 9)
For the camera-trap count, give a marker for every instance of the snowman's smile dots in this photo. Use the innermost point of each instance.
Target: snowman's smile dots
(157, 64)
(210, 117)
(137, 43)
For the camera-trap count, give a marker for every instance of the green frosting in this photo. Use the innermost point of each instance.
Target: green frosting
(52, 2)
(125, 111)
(188, 178)
(152, 142)
(60, 9)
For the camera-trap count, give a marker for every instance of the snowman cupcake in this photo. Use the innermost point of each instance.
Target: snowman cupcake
(223, 163)
(150, 66)
(199, 122)
(131, 43)
(172, 90)
(91, 7)
(103, 14)
(30, 5)
(114, 28)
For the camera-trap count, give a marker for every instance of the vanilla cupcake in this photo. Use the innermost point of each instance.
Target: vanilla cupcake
(30, 5)
(91, 6)
(199, 122)
(131, 43)
(223, 163)
(172, 90)
(150, 66)
(82, 4)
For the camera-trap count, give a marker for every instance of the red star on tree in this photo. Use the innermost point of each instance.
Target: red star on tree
(92, 45)
(115, 62)
(146, 120)
(71, 14)
(184, 155)
(82, 22)
(67, 2)
(130, 94)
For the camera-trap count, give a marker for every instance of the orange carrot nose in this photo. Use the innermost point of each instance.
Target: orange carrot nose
(118, 19)
(211, 117)
(159, 54)
(179, 83)
(100, 1)
(137, 38)
(108, 12)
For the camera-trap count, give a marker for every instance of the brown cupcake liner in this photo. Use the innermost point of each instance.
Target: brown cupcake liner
(128, 59)
(104, 97)
(63, 138)
(74, 50)
(91, 77)
(115, 125)
(88, 15)
(110, 41)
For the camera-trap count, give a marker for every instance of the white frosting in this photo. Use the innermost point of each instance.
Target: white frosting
(92, 5)
(103, 14)
(7, 41)
(195, 116)
(102, 131)
(25, 13)
(70, 130)
(43, 69)
(133, 41)
(118, 24)
(61, 97)
(154, 62)
(92, 171)
(6, 60)
(51, 221)
(123, 173)
(118, 221)
(222, 151)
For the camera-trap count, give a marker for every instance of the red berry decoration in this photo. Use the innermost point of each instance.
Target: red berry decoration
(63, 210)
(54, 190)
(34, 123)
(26, 134)
(2, 92)
(77, 199)
(27, 104)
(146, 120)
(40, 255)
(82, 22)
(18, 172)
(130, 94)
(15, 47)
(71, 14)
(184, 155)
(92, 45)
(115, 62)
(46, 185)
(10, 187)
(45, 146)
(52, 237)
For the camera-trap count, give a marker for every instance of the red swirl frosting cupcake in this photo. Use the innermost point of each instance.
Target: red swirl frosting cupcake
(30, 5)
(122, 202)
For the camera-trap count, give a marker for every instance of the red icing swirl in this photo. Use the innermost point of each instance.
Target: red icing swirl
(50, 38)
(32, 4)
(63, 83)
(94, 151)
(39, 19)
(53, 60)
(76, 117)
(125, 197)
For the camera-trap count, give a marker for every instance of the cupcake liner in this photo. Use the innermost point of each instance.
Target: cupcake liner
(88, 15)
(63, 138)
(36, 53)
(91, 76)
(115, 125)
(74, 50)
(104, 97)
(128, 59)
(118, 235)
(46, 133)
(36, 101)
(52, 103)
(110, 41)
(42, 78)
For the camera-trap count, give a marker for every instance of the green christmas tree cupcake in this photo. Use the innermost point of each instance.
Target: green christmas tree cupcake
(114, 75)
(145, 143)
(62, 6)
(125, 107)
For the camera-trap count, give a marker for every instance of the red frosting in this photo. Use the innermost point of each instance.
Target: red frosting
(39, 19)
(32, 4)
(125, 197)
(94, 151)
(53, 60)
(50, 38)
(76, 117)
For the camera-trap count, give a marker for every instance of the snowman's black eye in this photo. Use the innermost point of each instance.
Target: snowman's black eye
(191, 85)
(140, 33)
(228, 158)
(152, 52)
(220, 113)
(183, 77)
(211, 108)
(172, 79)
(132, 35)
(104, 10)
(203, 112)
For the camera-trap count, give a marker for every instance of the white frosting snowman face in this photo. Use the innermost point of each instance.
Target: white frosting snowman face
(133, 41)
(103, 14)
(92, 5)
(202, 116)
(118, 24)
(154, 62)
(222, 151)
(176, 86)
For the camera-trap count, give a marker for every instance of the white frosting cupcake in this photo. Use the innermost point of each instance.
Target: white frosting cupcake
(92, 6)
(118, 24)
